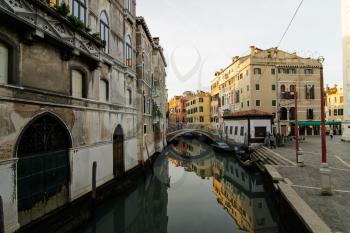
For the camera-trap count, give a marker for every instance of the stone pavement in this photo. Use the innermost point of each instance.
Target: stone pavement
(335, 209)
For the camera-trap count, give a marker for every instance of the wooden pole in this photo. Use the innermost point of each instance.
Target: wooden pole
(94, 169)
(2, 225)
(296, 127)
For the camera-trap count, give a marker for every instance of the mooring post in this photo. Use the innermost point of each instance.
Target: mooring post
(93, 195)
(2, 225)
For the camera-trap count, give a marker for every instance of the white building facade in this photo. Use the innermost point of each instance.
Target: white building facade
(346, 69)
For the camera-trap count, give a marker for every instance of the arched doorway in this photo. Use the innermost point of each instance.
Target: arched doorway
(42, 168)
(118, 151)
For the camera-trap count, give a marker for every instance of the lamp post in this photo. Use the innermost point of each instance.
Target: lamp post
(326, 188)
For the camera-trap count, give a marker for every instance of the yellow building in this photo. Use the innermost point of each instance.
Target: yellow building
(335, 107)
(215, 101)
(198, 110)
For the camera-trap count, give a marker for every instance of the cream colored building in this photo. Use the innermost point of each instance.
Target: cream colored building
(198, 110)
(346, 69)
(267, 80)
(215, 102)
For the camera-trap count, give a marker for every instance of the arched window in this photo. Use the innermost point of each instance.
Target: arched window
(283, 114)
(78, 84)
(283, 88)
(104, 30)
(128, 51)
(4, 63)
(292, 88)
(104, 90)
(79, 10)
(292, 114)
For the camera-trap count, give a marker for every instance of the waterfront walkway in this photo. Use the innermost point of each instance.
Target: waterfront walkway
(333, 210)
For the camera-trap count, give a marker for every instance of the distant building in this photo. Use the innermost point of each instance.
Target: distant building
(198, 109)
(267, 80)
(335, 108)
(215, 102)
(177, 109)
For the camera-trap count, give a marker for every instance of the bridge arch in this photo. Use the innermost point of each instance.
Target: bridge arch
(173, 135)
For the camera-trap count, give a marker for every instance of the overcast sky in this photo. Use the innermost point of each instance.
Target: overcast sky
(201, 36)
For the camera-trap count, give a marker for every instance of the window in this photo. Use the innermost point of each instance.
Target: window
(236, 130)
(260, 132)
(231, 130)
(104, 30)
(310, 114)
(308, 71)
(309, 92)
(341, 99)
(145, 129)
(283, 88)
(273, 71)
(292, 88)
(274, 87)
(201, 109)
(130, 96)
(330, 112)
(4, 63)
(226, 129)
(242, 131)
(201, 119)
(79, 10)
(200, 100)
(257, 103)
(248, 103)
(128, 5)
(128, 51)
(237, 97)
(335, 112)
(104, 90)
(274, 103)
(257, 71)
(240, 76)
(242, 105)
(340, 112)
(257, 87)
(78, 84)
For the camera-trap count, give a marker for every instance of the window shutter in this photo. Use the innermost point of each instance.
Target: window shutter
(3, 64)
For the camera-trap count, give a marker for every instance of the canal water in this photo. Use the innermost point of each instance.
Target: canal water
(193, 189)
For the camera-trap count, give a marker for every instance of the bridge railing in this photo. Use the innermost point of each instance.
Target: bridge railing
(176, 127)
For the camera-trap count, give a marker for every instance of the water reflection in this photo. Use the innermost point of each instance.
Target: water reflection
(193, 189)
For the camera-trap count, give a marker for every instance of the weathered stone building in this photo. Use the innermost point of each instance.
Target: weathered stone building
(68, 99)
(150, 86)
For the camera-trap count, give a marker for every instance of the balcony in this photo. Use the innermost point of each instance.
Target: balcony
(287, 95)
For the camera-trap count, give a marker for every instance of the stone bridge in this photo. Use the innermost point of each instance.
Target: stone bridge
(206, 132)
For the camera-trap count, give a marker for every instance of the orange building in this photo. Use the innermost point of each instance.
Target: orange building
(177, 109)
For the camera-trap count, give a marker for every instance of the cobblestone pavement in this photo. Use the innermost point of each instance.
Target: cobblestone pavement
(335, 209)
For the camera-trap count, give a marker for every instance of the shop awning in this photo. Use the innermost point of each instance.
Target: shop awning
(316, 123)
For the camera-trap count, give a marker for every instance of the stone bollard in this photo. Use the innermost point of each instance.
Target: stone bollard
(326, 186)
(301, 158)
(2, 225)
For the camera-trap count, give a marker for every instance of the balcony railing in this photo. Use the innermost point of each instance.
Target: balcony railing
(287, 95)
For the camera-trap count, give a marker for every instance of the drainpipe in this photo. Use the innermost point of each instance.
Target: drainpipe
(2, 225)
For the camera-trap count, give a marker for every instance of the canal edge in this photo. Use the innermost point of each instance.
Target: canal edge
(312, 222)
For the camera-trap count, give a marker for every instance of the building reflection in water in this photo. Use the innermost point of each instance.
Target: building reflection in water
(143, 209)
(240, 192)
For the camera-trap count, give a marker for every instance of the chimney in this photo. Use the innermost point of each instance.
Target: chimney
(235, 58)
(252, 50)
(156, 40)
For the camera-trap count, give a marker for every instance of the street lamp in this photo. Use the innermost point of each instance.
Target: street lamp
(326, 188)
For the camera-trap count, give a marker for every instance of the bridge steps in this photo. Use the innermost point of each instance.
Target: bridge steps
(265, 156)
